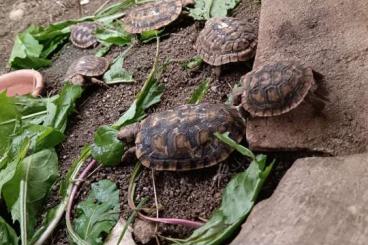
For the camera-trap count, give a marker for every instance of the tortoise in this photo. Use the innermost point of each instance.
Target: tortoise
(226, 39)
(279, 87)
(183, 138)
(153, 15)
(82, 35)
(86, 69)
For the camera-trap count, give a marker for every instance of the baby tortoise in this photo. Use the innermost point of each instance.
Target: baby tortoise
(224, 40)
(183, 138)
(82, 35)
(86, 69)
(153, 15)
(277, 88)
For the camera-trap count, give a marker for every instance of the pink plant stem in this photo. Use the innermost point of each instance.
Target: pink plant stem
(76, 186)
(174, 221)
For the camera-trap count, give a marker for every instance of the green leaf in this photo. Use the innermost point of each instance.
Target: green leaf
(206, 9)
(113, 34)
(193, 63)
(37, 172)
(117, 73)
(7, 234)
(8, 111)
(148, 36)
(243, 150)
(60, 108)
(238, 199)
(97, 215)
(149, 95)
(106, 148)
(200, 92)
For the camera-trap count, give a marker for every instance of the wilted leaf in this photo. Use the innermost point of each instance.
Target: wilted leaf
(117, 73)
(7, 234)
(97, 215)
(199, 93)
(206, 9)
(107, 149)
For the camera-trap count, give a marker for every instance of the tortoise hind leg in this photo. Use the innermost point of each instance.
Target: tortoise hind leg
(318, 102)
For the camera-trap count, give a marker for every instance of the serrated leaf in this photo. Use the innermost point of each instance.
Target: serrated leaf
(206, 9)
(7, 234)
(199, 93)
(107, 149)
(98, 214)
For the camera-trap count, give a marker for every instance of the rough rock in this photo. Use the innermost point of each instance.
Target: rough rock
(144, 231)
(318, 201)
(114, 236)
(331, 36)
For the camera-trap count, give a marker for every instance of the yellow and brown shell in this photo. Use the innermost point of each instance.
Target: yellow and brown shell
(183, 138)
(82, 35)
(225, 40)
(152, 15)
(89, 66)
(276, 88)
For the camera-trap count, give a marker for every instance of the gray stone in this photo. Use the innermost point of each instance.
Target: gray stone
(331, 36)
(318, 201)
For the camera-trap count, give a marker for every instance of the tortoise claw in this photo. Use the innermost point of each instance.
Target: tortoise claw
(222, 172)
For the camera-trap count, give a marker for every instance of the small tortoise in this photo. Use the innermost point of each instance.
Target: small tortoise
(224, 40)
(82, 35)
(183, 138)
(87, 69)
(153, 15)
(277, 88)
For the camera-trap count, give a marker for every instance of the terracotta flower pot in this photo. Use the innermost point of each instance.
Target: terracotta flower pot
(22, 82)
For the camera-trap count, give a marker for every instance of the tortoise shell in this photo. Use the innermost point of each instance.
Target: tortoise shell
(276, 88)
(89, 65)
(82, 35)
(152, 15)
(226, 39)
(183, 138)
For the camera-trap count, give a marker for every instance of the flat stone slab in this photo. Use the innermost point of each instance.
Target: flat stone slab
(318, 201)
(332, 37)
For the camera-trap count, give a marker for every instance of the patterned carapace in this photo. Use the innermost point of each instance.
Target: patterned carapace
(82, 35)
(183, 138)
(226, 39)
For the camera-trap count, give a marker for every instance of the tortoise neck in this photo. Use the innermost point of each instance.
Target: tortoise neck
(243, 113)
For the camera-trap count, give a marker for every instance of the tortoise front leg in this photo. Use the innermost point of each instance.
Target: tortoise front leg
(222, 171)
(129, 155)
(98, 82)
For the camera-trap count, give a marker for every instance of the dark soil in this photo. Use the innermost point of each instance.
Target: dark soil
(189, 195)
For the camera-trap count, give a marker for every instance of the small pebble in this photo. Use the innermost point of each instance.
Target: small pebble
(16, 14)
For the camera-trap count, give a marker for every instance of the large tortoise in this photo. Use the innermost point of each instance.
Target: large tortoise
(226, 39)
(82, 35)
(279, 87)
(153, 15)
(86, 70)
(183, 138)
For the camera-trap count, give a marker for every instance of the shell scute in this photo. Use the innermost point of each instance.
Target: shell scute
(187, 135)
(82, 35)
(89, 65)
(152, 15)
(225, 39)
(276, 88)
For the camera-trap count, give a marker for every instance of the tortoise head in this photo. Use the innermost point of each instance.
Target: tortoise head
(77, 79)
(128, 133)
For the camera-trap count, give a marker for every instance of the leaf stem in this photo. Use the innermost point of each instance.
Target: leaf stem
(24, 117)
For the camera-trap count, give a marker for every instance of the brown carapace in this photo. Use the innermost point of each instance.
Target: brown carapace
(277, 88)
(82, 35)
(86, 69)
(183, 138)
(225, 40)
(153, 15)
